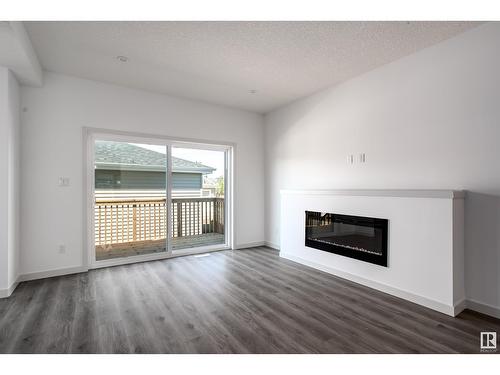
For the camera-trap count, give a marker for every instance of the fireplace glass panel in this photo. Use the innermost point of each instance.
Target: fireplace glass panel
(357, 237)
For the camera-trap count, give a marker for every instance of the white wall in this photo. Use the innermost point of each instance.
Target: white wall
(52, 147)
(9, 180)
(428, 121)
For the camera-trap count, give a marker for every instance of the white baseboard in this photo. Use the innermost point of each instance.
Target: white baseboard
(4, 293)
(272, 245)
(248, 245)
(415, 298)
(483, 308)
(51, 273)
(459, 307)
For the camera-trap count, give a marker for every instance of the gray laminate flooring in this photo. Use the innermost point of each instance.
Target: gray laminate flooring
(243, 301)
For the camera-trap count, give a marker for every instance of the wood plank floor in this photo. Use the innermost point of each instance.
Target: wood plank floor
(243, 301)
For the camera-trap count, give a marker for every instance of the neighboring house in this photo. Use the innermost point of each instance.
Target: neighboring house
(123, 168)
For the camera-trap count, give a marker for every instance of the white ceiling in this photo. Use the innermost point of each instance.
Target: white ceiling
(221, 62)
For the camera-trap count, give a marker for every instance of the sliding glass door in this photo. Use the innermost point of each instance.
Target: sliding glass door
(130, 215)
(198, 193)
(151, 199)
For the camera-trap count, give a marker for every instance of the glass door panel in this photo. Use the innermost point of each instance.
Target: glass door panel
(198, 198)
(130, 196)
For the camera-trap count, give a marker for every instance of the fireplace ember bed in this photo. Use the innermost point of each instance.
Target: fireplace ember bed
(362, 238)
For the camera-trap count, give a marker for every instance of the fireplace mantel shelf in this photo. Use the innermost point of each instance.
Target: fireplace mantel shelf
(403, 193)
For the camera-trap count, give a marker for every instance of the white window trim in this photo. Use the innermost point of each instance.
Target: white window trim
(91, 134)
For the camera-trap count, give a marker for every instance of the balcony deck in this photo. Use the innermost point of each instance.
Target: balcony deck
(127, 249)
(138, 226)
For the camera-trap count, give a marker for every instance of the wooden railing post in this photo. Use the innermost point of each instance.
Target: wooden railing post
(179, 219)
(203, 217)
(216, 216)
(134, 222)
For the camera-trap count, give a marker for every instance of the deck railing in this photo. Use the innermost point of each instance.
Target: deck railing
(120, 221)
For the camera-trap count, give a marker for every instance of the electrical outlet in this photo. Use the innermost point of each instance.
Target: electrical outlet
(62, 249)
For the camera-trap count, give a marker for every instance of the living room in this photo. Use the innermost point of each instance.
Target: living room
(250, 186)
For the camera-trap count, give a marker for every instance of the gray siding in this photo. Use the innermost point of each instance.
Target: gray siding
(139, 180)
(184, 181)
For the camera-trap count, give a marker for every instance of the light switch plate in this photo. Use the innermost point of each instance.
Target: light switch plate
(63, 181)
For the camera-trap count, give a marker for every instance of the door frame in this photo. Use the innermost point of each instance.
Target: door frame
(91, 134)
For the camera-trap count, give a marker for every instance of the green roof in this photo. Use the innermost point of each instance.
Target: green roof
(125, 156)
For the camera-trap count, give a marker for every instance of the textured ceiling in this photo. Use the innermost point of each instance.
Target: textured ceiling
(221, 62)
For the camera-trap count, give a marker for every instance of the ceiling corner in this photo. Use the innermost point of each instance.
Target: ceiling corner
(17, 54)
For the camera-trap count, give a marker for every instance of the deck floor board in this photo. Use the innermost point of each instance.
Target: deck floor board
(127, 249)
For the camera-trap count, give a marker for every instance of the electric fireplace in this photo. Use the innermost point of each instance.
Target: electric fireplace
(363, 238)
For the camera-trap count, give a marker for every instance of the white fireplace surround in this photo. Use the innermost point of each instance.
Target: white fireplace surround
(425, 244)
